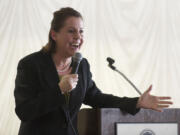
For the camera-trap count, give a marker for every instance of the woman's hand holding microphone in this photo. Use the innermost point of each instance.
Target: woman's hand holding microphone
(68, 82)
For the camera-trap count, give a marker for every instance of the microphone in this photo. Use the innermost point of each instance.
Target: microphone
(75, 66)
(76, 61)
(111, 61)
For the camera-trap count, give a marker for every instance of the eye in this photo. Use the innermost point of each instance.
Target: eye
(81, 31)
(71, 31)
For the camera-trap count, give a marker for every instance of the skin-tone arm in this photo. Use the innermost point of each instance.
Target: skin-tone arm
(146, 100)
(156, 103)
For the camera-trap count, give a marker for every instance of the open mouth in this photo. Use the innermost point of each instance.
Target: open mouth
(75, 46)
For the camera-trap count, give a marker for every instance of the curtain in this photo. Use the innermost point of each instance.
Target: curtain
(142, 37)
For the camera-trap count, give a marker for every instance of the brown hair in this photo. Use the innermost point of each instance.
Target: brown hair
(57, 23)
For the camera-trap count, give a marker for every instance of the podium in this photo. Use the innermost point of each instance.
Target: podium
(103, 121)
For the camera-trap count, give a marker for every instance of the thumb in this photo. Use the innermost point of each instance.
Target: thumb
(74, 76)
(149, 89)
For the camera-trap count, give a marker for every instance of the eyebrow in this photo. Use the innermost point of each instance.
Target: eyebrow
(74, 28)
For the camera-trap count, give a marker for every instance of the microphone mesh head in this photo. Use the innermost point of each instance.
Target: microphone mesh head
(110, 60)
(77, 57)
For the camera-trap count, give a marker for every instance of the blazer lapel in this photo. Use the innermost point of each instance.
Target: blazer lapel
(51, 76)
(49, 72)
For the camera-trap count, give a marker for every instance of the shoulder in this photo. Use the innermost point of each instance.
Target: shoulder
(85, 63)
(85, 67)
(32, 59)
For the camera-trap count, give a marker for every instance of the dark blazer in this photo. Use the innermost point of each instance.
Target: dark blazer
(41, 106)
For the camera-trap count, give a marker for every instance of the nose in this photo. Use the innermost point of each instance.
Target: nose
(78, 35)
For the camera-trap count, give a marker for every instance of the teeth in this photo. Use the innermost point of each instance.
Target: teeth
(75, 45)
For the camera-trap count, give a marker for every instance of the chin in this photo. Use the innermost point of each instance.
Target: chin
(75, 51)
(72, 53)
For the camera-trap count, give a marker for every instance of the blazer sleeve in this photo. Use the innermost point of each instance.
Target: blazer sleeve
(30, 102)
(95, 98)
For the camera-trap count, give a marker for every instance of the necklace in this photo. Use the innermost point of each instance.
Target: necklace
(65, 68)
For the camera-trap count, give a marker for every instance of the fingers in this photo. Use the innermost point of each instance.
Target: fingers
(165, 102)
(164, 98)
(149, 101)
(73, 81)
(161, 107)
(159, 110)
(73, 85)
(161, 100)
(68, 82)
(74, 76)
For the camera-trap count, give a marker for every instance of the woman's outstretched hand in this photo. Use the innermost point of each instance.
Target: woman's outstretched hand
(148, 101)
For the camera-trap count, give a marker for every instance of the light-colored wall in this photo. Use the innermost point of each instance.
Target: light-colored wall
(142, 36)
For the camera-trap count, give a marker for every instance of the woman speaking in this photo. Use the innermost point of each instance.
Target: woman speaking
(48, 94)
